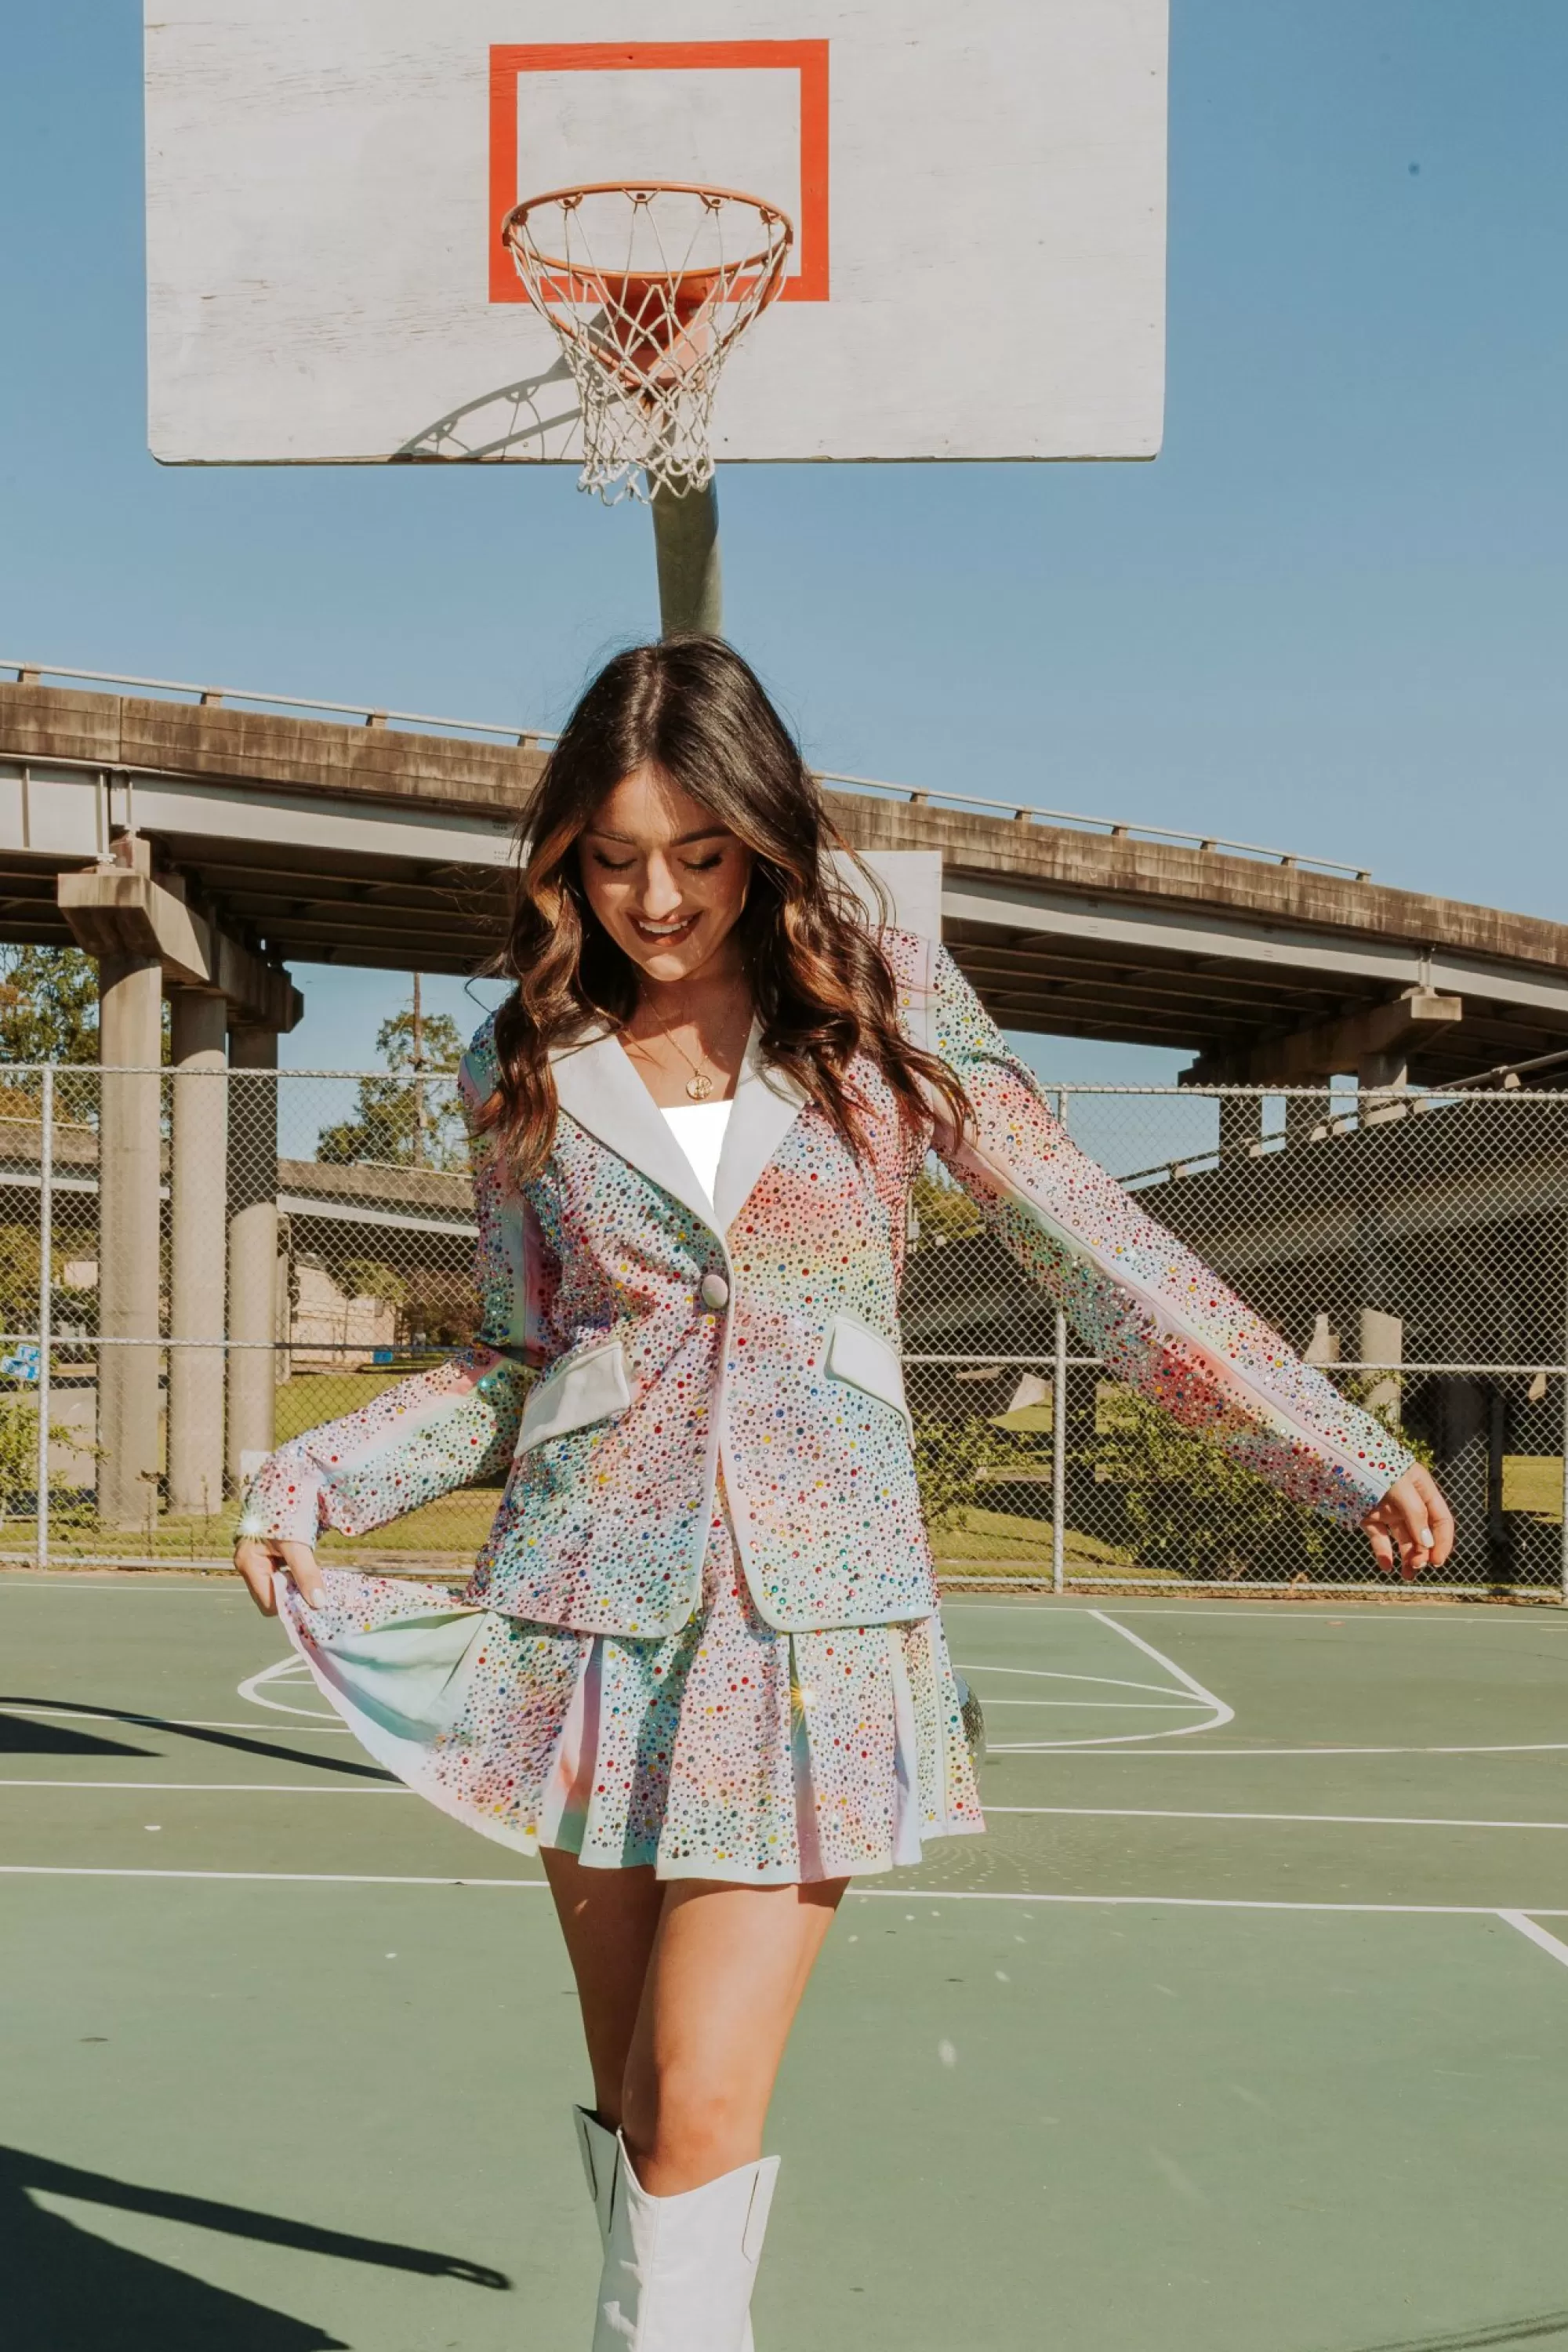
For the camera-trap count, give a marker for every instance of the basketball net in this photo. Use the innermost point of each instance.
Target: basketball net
(649, 288)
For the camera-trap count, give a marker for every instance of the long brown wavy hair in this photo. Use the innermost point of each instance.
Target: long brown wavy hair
(691, 709)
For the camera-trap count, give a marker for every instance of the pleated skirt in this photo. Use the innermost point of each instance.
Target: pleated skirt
(726, 1750)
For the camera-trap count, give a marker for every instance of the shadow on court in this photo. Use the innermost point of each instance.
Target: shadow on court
(1538, 2327)
(204, 1735)
(67, 2290)
(25, 1735)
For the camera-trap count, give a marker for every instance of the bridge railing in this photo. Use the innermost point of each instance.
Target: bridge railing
(195, 1266)
(536, 737)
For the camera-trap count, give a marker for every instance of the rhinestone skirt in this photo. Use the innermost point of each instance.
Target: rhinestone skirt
(726, 1750)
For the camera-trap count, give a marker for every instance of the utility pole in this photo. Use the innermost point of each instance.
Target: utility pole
(418, 1076)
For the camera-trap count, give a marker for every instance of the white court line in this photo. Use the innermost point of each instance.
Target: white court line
(288, 1669)
(1162, 1814)
(1228, 1715)
(1197, 1902)
(224, 1788)
(906, 1894)
(1251, 1754)
(1116, 1706)
(214, 1588)
(281, 1877)
(1354, 1611)
(1527, 1927)
(1362, 1610)
(1052, 1674)
(1190, 1681)
(130, 1722)
(1113, 1755)
(1218, 1714)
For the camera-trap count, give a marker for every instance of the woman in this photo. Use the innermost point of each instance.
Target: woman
(699, 1667)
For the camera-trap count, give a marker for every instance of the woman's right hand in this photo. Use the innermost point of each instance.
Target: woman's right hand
(259, 1557)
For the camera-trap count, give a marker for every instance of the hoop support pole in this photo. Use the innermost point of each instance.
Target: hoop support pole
(686, 547)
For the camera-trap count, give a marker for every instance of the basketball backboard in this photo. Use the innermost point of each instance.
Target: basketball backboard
(977, 189)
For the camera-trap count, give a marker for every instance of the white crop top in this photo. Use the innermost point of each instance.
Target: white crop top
(699, 1128)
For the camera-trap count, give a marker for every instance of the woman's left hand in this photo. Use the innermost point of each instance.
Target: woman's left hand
(1412, 1528)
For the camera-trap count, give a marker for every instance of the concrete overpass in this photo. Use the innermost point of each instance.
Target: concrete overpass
(269, 835)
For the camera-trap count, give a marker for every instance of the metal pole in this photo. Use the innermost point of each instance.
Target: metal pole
(418, 1075)
(252, 1246)
(46, 1298)
(686, 547)
(1563, 1555)
(1059, 1458)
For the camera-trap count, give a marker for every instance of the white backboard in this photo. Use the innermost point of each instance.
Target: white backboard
(978, 189)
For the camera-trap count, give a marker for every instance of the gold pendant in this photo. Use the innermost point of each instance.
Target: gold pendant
(700, 1087)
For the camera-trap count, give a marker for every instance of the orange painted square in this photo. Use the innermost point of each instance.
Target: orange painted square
(510, 60)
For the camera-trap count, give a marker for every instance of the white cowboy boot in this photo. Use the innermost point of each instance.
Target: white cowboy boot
(596, 2145)
(679, 2271)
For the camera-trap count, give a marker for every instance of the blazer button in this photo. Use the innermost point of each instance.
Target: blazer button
(714, 1291)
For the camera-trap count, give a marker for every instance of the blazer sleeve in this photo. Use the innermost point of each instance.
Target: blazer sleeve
(442, 1429)
(1135, 1295)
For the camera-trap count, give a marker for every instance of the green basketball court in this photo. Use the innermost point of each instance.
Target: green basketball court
(1244, 2031)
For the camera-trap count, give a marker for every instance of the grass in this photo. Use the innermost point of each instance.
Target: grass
(314, 1397)
(447, 1533)
(1012, 1544)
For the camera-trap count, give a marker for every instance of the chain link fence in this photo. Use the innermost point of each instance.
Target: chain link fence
(195, 1266)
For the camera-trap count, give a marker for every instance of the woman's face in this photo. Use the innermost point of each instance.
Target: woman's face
(666, 880)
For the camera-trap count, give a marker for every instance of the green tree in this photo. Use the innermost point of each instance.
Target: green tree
(1188, 1506)
(941, 1211)
(19, 1451)
(20, 1267)
(949, 1458)
(404, 1120)
(49, 1013)
(371, 1278)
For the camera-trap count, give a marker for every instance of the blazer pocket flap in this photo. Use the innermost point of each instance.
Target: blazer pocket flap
(862, 1357)
(590, 1388)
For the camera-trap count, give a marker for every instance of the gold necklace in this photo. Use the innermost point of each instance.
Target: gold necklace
(698, 1085)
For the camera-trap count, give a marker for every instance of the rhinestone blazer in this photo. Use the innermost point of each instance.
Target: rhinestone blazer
(639, 1343)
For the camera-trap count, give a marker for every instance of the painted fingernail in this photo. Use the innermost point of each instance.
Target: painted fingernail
(1426, 1537)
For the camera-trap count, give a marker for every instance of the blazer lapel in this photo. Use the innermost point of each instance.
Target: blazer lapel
(597, 1084)
(767, 1104)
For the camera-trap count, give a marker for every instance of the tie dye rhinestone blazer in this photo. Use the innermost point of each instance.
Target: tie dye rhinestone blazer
(639, 1342)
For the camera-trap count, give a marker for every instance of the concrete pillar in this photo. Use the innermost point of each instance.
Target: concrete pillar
(129, 1032)
(1382, 1342)
(252, 1160)
(197, 1249)
(1240, 1125)
(686, 545)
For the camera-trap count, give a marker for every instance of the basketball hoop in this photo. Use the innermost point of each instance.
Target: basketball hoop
(649, 286)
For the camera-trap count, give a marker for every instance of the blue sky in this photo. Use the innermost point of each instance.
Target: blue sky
(1329, 617)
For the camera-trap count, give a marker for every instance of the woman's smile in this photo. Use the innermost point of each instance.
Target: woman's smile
(679, 929)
